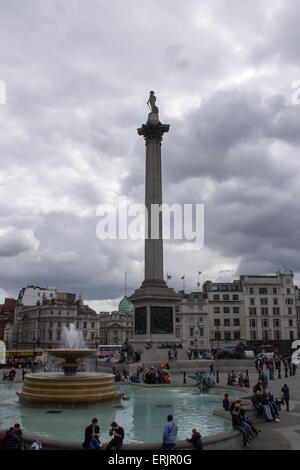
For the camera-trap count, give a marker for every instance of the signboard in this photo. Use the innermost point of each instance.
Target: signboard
(2, 353)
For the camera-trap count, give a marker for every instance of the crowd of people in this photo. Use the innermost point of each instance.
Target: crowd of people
(240, 379)
(150, 375)
(9, 375)
(276, 363)
(266, 405)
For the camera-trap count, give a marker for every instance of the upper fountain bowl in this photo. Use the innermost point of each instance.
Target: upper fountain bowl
(70, 356)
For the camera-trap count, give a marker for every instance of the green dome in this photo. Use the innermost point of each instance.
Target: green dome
(124, 304)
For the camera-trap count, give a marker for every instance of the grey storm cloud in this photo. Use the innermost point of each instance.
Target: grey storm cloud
(77, 77)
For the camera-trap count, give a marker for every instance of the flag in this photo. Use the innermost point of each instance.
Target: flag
(199, 272)
(169, 277)
(182, 277)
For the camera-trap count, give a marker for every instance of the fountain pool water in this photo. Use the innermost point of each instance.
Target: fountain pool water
(143, 416)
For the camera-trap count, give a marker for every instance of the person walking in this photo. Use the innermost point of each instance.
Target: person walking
(92, 434)
(118, 433)
(286, 394)
(196, 439)
(169, 434)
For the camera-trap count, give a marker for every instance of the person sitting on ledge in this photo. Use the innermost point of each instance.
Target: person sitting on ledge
(237, 423)
(92, 433)
(118, 433)
(226, 402)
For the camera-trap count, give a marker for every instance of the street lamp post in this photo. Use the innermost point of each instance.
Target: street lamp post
(96, 347)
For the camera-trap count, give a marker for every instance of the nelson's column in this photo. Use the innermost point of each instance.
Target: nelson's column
(154, 302)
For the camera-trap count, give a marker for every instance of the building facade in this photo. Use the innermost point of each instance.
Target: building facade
(117, 326)
(225, 301)
(7, 316)
(271, 311)
(192, 322)
(40, 326)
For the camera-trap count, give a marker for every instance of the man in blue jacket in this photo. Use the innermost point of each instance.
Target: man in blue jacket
(169, 435)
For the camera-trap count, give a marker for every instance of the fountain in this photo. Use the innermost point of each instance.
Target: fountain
(70, 388)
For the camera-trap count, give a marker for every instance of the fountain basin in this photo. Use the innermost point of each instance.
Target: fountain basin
(56, 390)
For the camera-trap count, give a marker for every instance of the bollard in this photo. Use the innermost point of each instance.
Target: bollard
(218, 381)
(184, 377)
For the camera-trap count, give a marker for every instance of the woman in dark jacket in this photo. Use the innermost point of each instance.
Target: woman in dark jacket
(286, 394)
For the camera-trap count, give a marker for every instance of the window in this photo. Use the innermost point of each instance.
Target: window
(93, 325)
(251, 290)
(236, 309)
(201, 331)
(237, 335)
(225, 297)
(275, 290)
(263, 291)
(253, 323)
(227, 336)
(290, 310)
(252, 301)
(191, 331)
(289, 301)
(217, 322)
(253, 335)
(177, 320)
(264, 311)
(288, 291)
(217, 335)
(275, 301)
(236, 322)
(235, 297)
(227, 322)
(252, 311)
(265, 323)
(84, 324)
(216, 297)
(59, 324)
(50, 335)
(291, 335)
(226, 309)
(265, 335)
(276, 311)
(290, 322)
(177, 332)
(277, 335)
(277, 323)
(264, 301)
(216, 309)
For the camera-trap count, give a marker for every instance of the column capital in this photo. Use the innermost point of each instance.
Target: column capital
(153, 131)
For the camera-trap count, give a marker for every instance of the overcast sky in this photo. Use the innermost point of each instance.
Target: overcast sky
(78, 75)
